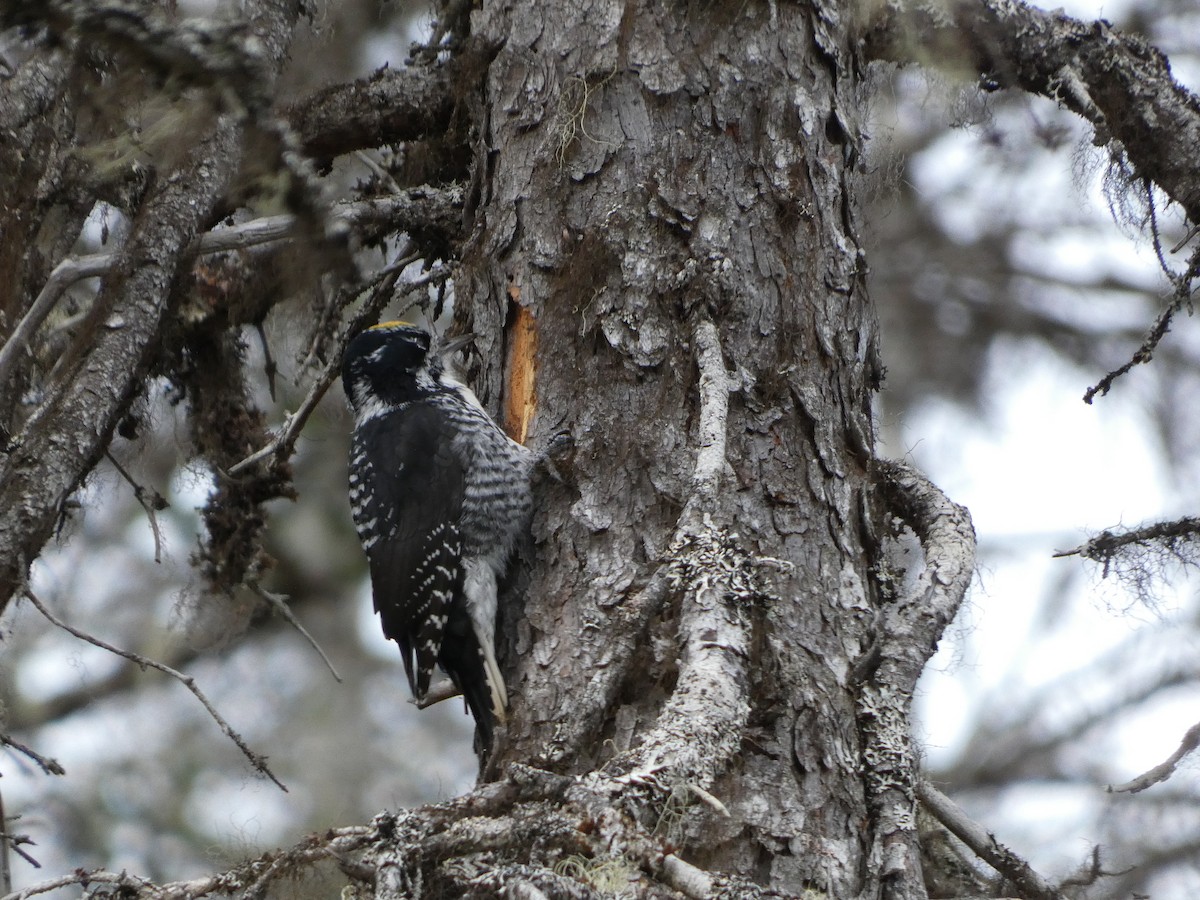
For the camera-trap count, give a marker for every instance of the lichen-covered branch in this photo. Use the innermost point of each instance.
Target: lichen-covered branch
(908, 633)
(1118, 82)
(103, 371)
(698, 551)
(204, 51)
(701, 724)
(249, 877)
(1107, 545)
(67, 435)
(531, 834)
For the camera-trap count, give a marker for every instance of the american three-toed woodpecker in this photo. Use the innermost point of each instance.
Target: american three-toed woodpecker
(440, 494)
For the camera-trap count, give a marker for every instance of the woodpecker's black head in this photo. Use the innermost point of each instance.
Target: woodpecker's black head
(392, 363)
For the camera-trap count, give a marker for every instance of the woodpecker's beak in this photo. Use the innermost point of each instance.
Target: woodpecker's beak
(454, 344)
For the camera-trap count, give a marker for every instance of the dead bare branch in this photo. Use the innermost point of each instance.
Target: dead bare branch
(151, 506)
(1117, 82)
(1107, 544)
(279, 603)
(1144, 353)
(257, 761)
(985, 845)
(1164, 770)
(386, 107)
(45, 763)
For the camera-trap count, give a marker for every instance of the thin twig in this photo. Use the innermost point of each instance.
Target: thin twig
(64, 275)
(1182, 284)
(1143, 354)
(13, 842)
(378, 171)
(347, 294)
(279, 604)
(443, 690)
(45, 763)
(269, 367)
(282, 443)
(1164, 770)
(1187, 236)
(1104, 546)
(984, 845)
(259, 762)
(139, 493)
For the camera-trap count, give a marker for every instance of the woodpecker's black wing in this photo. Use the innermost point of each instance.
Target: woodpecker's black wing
(407, 494)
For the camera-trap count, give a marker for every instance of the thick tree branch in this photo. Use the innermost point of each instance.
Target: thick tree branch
(387, 107)
(532, 834)
(105, 369)
(204, 51)
(1118, 82)
(67, 435)
(248, 877)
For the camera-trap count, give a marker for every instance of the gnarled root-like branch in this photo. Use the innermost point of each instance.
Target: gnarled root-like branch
(909, 630)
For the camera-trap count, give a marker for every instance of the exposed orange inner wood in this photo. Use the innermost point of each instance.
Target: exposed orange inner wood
(520, 401)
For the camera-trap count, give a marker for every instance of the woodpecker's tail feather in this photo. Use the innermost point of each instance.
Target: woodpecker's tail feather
(462, 660)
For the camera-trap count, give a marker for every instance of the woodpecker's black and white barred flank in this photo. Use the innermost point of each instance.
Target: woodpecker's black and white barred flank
(440, 495)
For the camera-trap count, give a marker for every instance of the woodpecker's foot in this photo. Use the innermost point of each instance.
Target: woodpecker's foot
(558, 456)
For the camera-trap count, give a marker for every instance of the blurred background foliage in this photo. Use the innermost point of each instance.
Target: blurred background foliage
(1011, 267)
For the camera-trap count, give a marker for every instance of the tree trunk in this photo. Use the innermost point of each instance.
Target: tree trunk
(664, 189)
